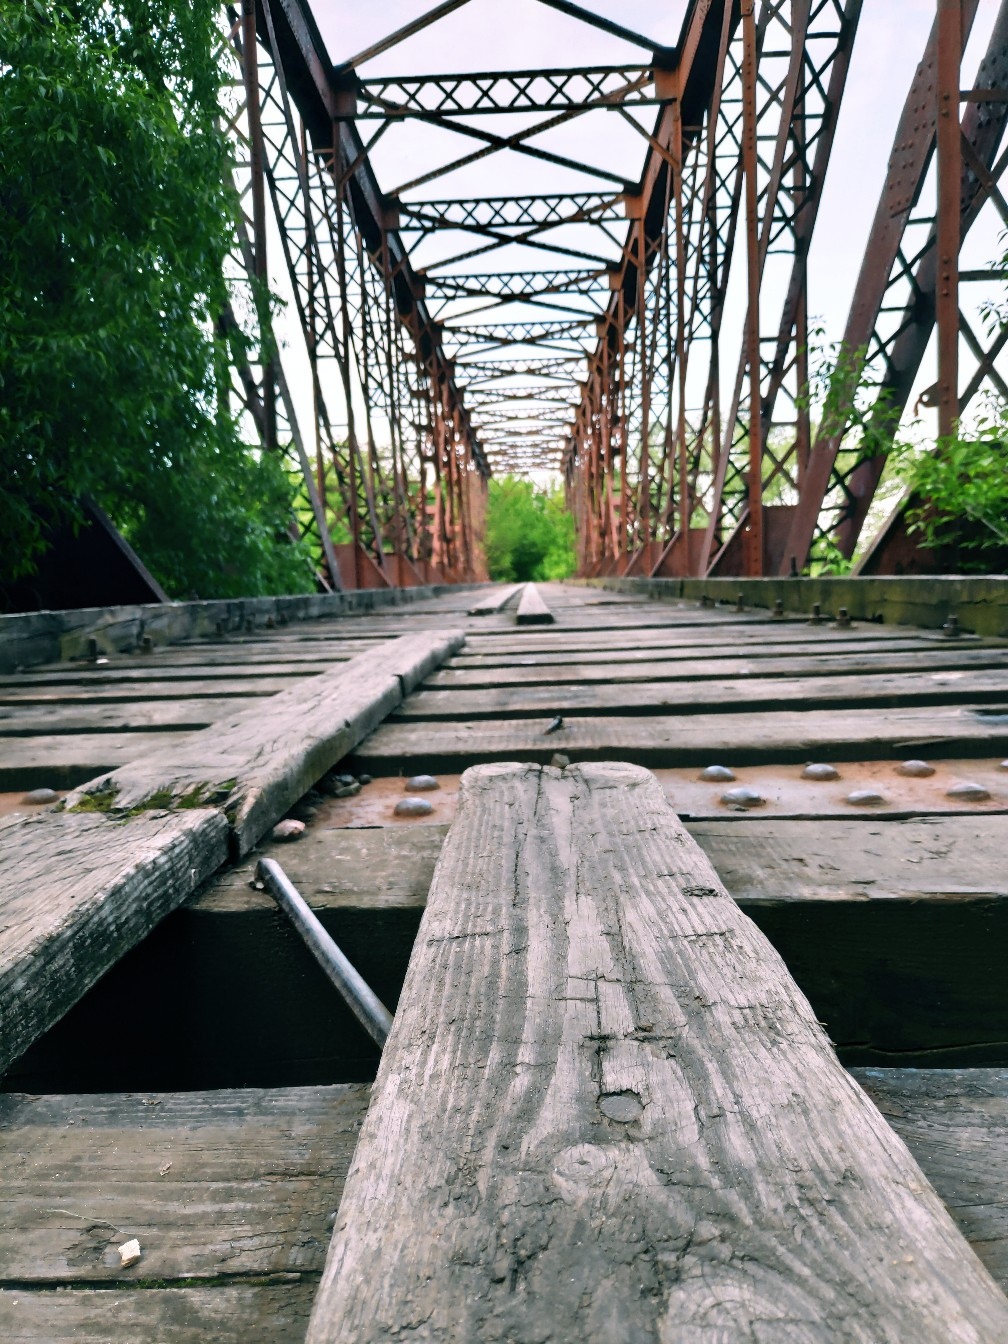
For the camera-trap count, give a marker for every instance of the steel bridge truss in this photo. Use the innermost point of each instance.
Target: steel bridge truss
(584, 331)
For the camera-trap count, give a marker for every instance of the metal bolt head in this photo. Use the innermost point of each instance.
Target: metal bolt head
(951, 628)
(778, 610)
(816, 617)
(740, 602)
(843, 619)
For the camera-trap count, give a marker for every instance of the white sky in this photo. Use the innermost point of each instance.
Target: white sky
(522, 34)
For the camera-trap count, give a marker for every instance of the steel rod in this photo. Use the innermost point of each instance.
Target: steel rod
(360, 998)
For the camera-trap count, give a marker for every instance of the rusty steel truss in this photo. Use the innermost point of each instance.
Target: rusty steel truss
(587, 330)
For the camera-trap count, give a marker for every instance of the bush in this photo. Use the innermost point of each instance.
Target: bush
(529, 533)
(116, 217)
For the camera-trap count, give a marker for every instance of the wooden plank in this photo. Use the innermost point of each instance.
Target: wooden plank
(917, 686)
(274, 1309)
(497, 600)
(78, 892)
(63, 762)
(124, 692)
(257, 761)
(955, 1122)
(178, 714)
(250, 1182)
(532, 610)
(606, 1111)
(760, 861)
(695, 739)
(585, 669)
(742, 633)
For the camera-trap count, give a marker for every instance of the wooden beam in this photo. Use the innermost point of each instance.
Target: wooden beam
(256, 762)
(532, 610)
(79, 892)
(605, 1110)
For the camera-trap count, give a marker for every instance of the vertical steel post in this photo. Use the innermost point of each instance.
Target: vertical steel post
(250, 72)
(949, 146)
(754, 532)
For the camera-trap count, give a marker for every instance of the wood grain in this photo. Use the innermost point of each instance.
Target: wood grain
(251, 1181)
(77, 892)
(605, 1111)
(913, 686)
(692, 740)
(258, 760)
(955, 1122)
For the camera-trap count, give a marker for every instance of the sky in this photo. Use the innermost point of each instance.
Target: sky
(489, 34)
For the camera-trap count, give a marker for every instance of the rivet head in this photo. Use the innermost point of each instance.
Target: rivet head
(915, 769)
(820, 772)
(743, 797)
(967, 792)
(866, 798)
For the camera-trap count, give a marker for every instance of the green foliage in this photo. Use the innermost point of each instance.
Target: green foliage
(960, 489)
(115, 221)
(529, 533)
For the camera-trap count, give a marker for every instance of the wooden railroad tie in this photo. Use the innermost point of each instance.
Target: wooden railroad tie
(532, 610)
(605, 1111)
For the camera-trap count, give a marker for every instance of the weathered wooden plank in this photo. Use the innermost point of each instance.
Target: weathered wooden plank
(694, 739)
(64, 761)
(212, 1184)
(178, 714)
(917, 686)
(497, 600)
(274, 1309)
(606, 1111)
(955, 1122)
(259, 760)
(76, 892)
(549, 670)
(532, 610)
(125, 692)
(742, 633)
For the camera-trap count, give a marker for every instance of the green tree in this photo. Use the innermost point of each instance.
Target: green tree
(115, 221)
(529, 533)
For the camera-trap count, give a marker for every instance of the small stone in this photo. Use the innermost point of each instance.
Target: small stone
(866, 798)
(347, 790)
(967, 792)
(288, 829)
(413, 807)
(1003, 765)
(820, 772)
(129, 1253)
(364, 779)
(38, 796)
(559, 761)
(554, 725)
(344, 779)
(717, 774)
(743, 797)
(421, 784)
(915, 769)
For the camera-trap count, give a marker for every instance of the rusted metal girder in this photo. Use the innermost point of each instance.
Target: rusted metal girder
(835, 498)
(360, 306)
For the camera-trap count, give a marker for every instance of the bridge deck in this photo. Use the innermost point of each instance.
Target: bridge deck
(890, 915)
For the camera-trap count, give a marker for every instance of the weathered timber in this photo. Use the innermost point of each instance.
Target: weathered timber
(178, 714)
(126, 692)
(77, 893)
(916, 686)
(273, 1308)
(62, 761)
(606, 1111)
(955, 1122)
(497, 600)
(694, 739)
(560, 670)
(532, 610)
(212, 1184)
(259, 760)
